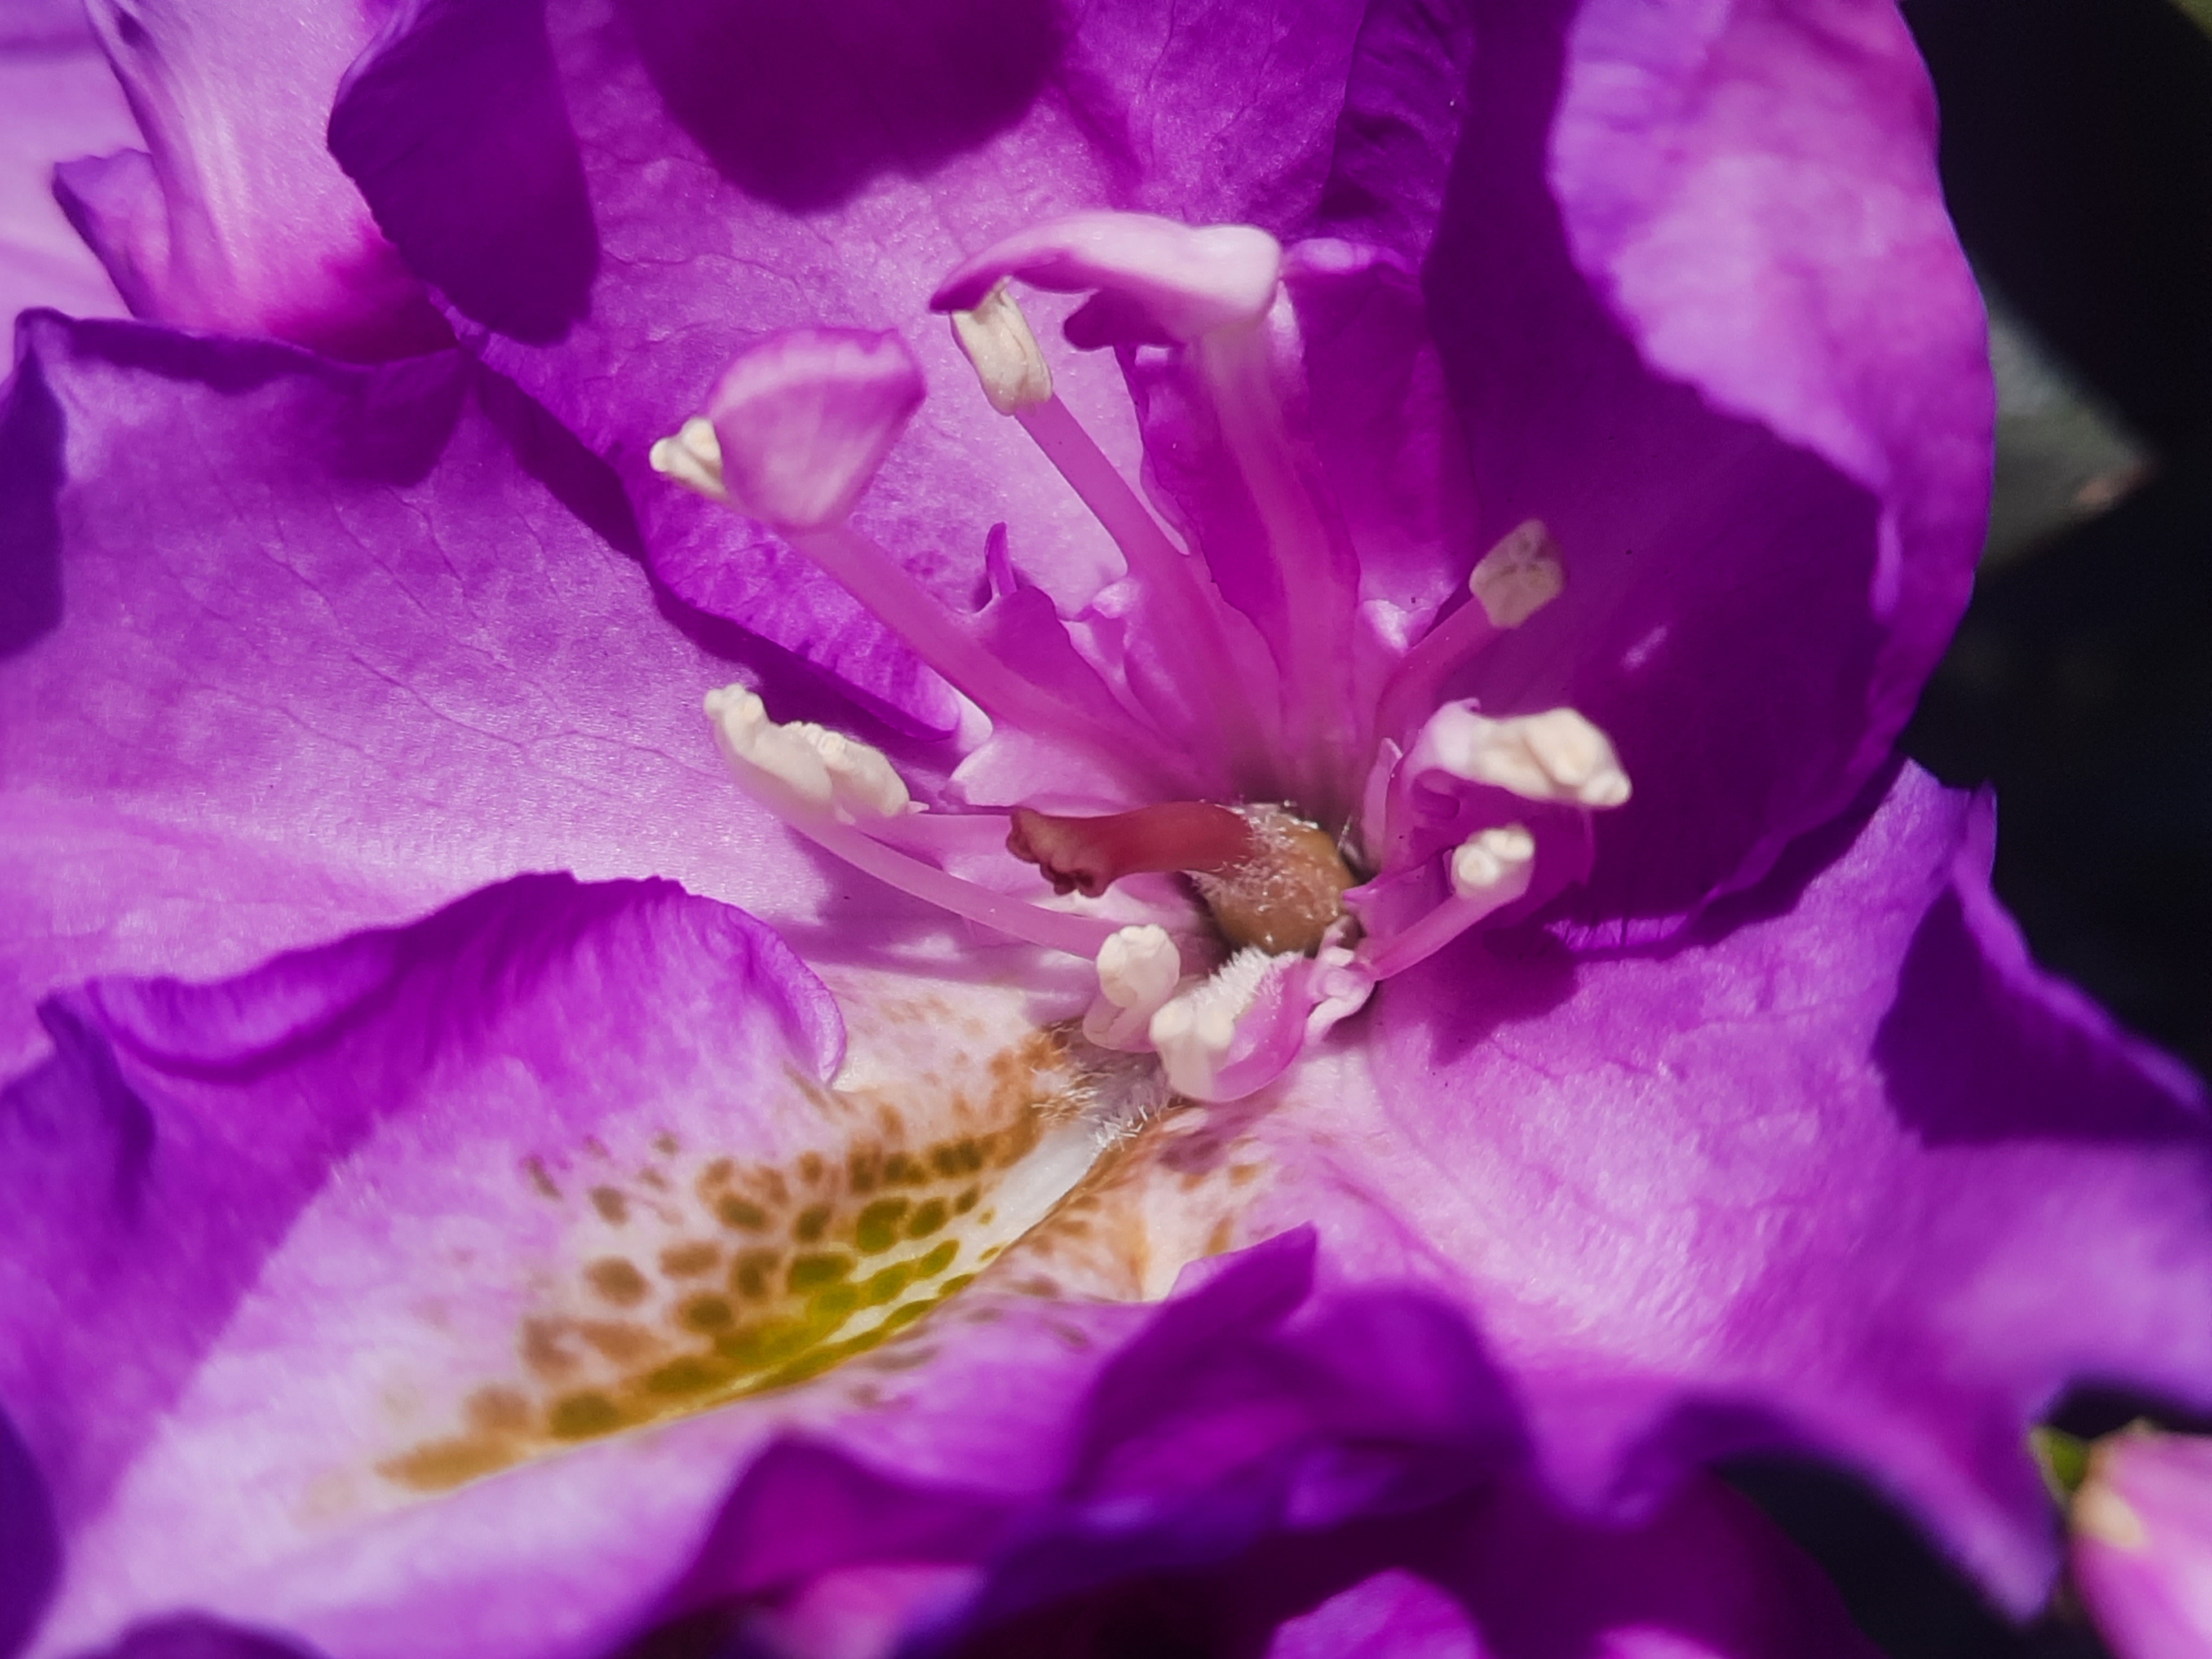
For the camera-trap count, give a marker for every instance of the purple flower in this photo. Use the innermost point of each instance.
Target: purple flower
(372, 1295)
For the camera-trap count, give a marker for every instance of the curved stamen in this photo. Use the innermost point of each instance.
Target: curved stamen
(1489, 871)
(829, 787)
(1509, 584)
(943, 641)
(1017, 381)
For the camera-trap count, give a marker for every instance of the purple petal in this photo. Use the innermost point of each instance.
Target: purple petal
(1393, 1616)
(1403, 108)
(195, 1635)
(1186, 280)
(1250, 1453)
(310, 646)
(56, 100)
(376, 1218)
(805, 418)
(260, 232)
(1840, 1172)
(221, 1194)
(1768, 529)
(114, 203)
(750, 169)
(467, 86)
(1706, 1575)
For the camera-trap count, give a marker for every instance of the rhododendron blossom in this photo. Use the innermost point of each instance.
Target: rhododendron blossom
(1290, 979)
(1345, 828)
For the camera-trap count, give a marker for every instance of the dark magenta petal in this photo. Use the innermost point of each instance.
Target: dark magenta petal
(258, 232)
(195, 1635)
(1403, 106)
(1708, 1569)
(454, 131)
(300, 647)
(800, 107)
(1768, 510)
(1840, 1171)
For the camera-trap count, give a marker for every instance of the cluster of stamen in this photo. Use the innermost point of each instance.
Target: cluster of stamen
(1229, 929)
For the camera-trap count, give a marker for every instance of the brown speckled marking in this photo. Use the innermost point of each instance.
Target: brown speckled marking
(617, 1281)
(688, 1260)
(773, 1275)
(612, 1206)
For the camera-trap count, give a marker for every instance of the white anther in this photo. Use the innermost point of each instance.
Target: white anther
(768, 759)
(801, 766)
(1193, 1033)
(1488, 863)
(996, 338)
(1519, 576)
(1139, 968)
(1556, 755)
(693, 458)
(865, 783)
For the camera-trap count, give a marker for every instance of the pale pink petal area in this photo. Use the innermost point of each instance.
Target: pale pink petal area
(58, 99)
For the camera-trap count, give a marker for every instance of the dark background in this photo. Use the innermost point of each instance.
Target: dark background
(2077, 159)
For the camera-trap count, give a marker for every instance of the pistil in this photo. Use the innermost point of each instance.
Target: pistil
(1270, 879)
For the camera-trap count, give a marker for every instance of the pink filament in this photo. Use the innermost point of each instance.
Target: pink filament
(940, 640)
(1169, 575)
(1410, 696)
(1235, 363)
(1056, 930)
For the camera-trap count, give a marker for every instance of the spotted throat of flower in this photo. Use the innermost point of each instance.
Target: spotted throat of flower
(1248, 814)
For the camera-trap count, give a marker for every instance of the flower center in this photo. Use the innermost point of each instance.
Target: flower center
(1240, 663)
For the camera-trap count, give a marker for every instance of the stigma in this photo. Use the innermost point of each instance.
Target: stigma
(1234, 781)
